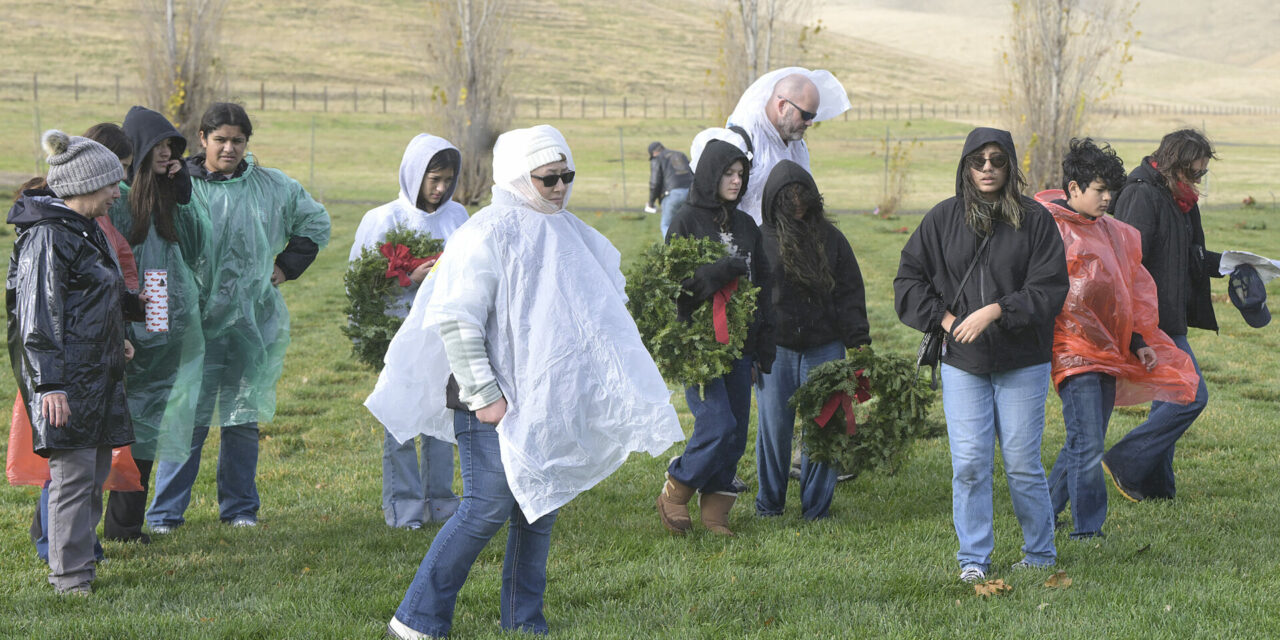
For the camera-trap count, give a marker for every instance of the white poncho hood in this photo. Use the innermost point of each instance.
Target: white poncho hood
(582, 392)
(769, 147)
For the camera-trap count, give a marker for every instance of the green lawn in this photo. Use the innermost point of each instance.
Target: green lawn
(322, 565)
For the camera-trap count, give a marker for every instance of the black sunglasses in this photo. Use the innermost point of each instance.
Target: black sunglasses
(804, 115)
(1196, 175)
(550, 180)
(997, 161)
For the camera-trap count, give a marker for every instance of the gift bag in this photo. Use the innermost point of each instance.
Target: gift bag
(23, 466)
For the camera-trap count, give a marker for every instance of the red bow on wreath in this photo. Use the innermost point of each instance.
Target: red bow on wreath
(400, 263)
(841, 400)
(719, 303)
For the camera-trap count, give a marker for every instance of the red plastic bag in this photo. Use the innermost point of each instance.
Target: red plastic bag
(23, 466)
(1112, 297)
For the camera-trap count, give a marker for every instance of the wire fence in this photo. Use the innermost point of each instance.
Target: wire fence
(320, 98)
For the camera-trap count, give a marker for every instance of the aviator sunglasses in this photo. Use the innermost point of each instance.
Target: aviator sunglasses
(804, 115)
(997, 162)
(550, 180)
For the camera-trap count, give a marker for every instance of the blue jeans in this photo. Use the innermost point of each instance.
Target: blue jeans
(776, 427)
(670, 205)
(1143, 459)
(40, 528)
(721, 412)
(981, 410)
(237, 471)
(412, 492)
(1087, 401)
(487, 504)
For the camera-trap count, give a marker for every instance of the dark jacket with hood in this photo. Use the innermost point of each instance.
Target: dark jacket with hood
(698, 217)
(804, 319)
(668, 170)
(63, 295)
(1023, 270)
(146, 129)
(1173, 250)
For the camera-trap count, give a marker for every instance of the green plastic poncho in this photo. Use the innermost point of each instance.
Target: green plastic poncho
(246, 323)
(163, 379)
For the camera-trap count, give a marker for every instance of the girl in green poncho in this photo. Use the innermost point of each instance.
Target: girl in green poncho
(265, 229)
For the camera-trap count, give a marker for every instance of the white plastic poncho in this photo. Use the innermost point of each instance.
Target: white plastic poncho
(769, 147)
(705, 136)
(582, 392)
(404, 211)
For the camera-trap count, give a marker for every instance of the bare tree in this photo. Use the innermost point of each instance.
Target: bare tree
(469, 46)
(178, 52)
(757, 38)
(1064, 57)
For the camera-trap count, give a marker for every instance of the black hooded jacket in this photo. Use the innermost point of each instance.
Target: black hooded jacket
(803, 319)
(1023, 270)
(667, 171)
(1173, 250)
(146, 129)
(66, 333)
(698, 217)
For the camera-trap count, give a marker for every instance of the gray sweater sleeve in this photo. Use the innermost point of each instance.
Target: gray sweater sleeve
(469, 362)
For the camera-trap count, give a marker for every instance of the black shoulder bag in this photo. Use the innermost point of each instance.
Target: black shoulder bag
(930, 352)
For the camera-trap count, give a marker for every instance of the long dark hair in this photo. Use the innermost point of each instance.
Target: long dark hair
(225, 113)
(981, 215)
(1178, 151)
(152, 200)
(801, 245)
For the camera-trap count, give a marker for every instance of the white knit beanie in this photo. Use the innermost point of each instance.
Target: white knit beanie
(78, 165)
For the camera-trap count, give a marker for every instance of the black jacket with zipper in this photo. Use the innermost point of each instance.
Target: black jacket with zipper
(668, 170)
(1173, 251)
(1023, 270)
(804, 319)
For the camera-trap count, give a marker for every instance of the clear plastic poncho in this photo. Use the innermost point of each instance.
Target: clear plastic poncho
(582, 392)
(163, 379)
(246, 323)
(1112, 297)
(768, 146)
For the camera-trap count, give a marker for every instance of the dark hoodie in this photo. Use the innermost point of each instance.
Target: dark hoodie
(66, 333)
(1173, 250)
(803, 319)
(698, 218)
(146, 129)
(1024, 270)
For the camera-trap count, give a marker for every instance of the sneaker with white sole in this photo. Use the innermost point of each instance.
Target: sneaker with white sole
(972, 574)
(244, 521)
(161, 529)
(1023, 564)
(397, 629)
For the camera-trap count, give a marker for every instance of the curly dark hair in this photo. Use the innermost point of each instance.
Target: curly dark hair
(800, 220)
(1086, 162)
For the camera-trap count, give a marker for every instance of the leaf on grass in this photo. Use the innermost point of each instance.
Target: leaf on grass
(1059, 580)
(1144, 549)
(1042, 606)
(991, 588)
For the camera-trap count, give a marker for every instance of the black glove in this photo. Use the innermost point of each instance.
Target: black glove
(710, 278)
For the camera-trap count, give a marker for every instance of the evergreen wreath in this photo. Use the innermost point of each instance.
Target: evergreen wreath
(370, 291)
(687, 353)
(888, 421)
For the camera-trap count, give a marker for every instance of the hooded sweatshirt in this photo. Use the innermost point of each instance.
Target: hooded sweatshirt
(1173, 250)
(1023, 270)
(697, 219)
(803, 319)
(146, 129)
(404, 211)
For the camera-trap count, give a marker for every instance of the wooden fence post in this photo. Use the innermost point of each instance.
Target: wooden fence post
(624, 107)
(326, 98)
(384, 99)
(262, 95)
(77, 87)
(295, 97)
(117, 88)
(355, 99)
(35, 86)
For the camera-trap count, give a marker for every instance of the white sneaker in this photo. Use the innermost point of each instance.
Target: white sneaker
(397, 629)
(161, 529)
(972, 574)
(244, 521)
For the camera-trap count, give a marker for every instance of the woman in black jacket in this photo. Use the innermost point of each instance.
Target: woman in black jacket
(1160, 200)
(819, 309)
(64, 298)
(995, 363)
(721, 408)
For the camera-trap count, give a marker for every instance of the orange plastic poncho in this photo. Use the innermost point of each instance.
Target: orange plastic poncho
(1112, 297)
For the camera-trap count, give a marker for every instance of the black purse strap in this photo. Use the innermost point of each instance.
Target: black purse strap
(968, 272)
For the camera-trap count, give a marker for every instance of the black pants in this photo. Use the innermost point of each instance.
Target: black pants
(125, 511)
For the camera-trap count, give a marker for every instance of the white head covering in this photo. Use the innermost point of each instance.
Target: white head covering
(833, 100)
(519, 151)
(715, 133)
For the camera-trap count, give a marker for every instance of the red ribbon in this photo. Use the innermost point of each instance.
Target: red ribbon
(400, 263)
(841, 400)
(719, 319)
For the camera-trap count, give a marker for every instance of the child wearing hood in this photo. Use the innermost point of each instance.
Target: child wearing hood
(721, 408)
(554, 388)
(819, 310)
(998, 344)
(1107, 347)
(413, 491)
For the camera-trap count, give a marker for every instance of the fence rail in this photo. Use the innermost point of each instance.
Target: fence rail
(318, 98)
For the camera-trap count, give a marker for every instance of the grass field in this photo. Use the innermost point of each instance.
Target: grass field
(322, 565)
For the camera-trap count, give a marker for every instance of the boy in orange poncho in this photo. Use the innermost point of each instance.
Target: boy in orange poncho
(1107, 348)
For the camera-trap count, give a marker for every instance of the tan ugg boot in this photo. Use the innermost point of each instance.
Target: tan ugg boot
(715, 511)
(673, 506)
